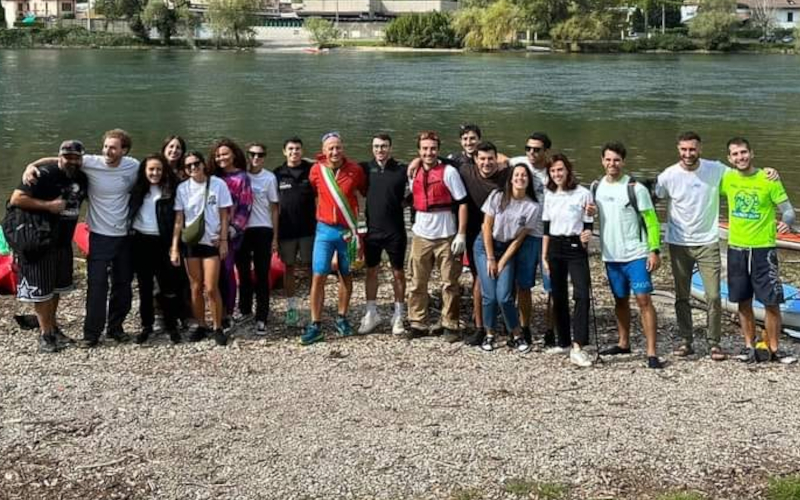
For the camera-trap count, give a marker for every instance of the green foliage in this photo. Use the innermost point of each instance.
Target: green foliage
(66, 37)
(432, 30)
(784, 488)
(797, 38)
(466, 494)
(488, 28)
(322, 31)
(124, 9)
(583, 26)
(651, 10)
(714, 23)
(158, 14)
(15, 38)
(542, 15)
(670, 42)
(232, 19)
(520, 487)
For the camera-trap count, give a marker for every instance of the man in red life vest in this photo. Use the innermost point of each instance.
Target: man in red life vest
(336, 181)
(439, 236)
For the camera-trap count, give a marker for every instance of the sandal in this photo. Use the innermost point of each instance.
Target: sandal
(717, 354)
(683, 350)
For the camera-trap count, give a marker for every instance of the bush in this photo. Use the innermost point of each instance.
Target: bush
(322, 31)
(15, 38)
(672, 43)
(432, 30)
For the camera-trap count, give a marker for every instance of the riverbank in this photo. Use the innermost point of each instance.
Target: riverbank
(377, 417)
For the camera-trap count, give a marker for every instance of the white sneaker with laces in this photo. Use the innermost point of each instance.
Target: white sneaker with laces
(369, 322)
(397, 325)
(261, 328)
(556, 350)
(578, 357)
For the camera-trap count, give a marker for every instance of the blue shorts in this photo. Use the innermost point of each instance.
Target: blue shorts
(328, 241)
(529, 259)
(625, 277)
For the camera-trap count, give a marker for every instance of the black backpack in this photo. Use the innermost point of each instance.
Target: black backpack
(649, 184)
(29, 233)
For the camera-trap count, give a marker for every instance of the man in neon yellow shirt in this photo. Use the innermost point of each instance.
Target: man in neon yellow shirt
(752, 254)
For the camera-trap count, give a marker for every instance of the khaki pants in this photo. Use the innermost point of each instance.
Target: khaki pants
(424, 255)
(708, 261)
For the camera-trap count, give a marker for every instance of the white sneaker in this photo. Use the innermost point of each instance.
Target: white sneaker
(398, 328)
(556, 350)
(261, 328)
(578, 356)
(369, 322)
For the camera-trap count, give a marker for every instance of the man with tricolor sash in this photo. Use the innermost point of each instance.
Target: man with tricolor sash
(336, 180)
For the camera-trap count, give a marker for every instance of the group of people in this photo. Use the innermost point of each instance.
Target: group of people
(205, 230)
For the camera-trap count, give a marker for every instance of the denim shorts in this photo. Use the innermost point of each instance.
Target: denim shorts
(625, 277)
(327, 242)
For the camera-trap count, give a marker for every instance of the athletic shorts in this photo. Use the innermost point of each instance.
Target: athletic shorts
(200, 251)
(625, 277)
(754, 272)
(327, 242)
(288, 250)
(394, 246)
(47, 276)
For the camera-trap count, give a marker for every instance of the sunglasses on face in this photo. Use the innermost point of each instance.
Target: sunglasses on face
(533, 148)
(256, 154)
(194, 164)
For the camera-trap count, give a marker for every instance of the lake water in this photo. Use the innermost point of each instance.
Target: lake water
(582, 101)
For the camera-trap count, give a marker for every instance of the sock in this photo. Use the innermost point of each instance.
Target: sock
(372, 306)
(290, 303)
(398, 309)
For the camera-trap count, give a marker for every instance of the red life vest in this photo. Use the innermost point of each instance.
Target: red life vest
(429, 190)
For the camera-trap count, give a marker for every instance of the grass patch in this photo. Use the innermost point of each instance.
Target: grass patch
(360, 43)
(542, 491)
(682, 495)
(550, 491)
(784, 488)
(466, 494)
(519, 487)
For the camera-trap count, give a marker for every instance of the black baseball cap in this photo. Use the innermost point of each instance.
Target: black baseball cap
(72, 147)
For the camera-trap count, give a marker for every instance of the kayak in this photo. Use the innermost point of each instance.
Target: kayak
(790, 309)
(276, 268)
(790, 241)
(8, 277)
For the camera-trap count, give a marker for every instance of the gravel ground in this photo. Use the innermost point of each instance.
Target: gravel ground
(378, 417)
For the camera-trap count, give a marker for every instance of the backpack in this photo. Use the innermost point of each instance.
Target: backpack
(29, 233)
(649, 184)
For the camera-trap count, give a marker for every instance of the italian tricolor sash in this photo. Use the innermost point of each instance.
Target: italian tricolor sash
(351, 236)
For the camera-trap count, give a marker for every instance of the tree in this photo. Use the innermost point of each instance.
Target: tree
(131, 10)
(430, 30)
(322, 31)
(763, 15)
(589, 20)
(232, 18)
(713, 23)
(166, 17)
(542, 15)
(490, 27)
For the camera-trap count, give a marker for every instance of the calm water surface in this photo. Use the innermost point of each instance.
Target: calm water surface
(580, 100)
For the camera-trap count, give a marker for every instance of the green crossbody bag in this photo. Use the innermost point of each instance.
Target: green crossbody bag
(193, 233)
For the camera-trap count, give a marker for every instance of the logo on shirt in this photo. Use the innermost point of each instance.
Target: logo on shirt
(212, 200)
(746, 206)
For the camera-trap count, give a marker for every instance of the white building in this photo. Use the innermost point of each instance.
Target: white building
(786, 12)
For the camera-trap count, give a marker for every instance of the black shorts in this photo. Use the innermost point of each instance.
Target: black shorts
(201, 252)
(754, 272)
(471, 252)
(42, 279)
(394, 246)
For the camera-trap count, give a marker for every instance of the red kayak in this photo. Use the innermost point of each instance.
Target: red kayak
(8, 276)
(789, 241)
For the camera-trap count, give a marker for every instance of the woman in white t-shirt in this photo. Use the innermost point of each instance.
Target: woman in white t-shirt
(260, 238)
(510, 215)
(567, 230)
(208, 195)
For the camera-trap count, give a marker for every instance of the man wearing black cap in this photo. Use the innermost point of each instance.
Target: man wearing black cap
(59, 191)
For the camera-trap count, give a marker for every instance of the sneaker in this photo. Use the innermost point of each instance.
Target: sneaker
(291, 318)
(227, 324)
(261, 328)
(143, 335)
(654, 363)
(782, 357)
(175, 336)
(615, 351)
(451, 336)
(476, 337)
(158, 324)
(488, 343)
(312, 334)
(398, 328)
(239, 317)
(119, 336)
(747, 355)
(88, 342)
(549, 339)
(578, 357)
(343, 328)
(415, 333)
(520, 344)
(220, 337)
(556, 350)
(368, 323)
(62, 339)
(48, 344)
(197, 333)
(526, 334)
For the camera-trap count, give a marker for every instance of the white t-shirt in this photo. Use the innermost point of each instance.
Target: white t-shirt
(539, 176)
(519, 215)
(620, 237)
(441, 224)
(146, 221)
(693, 212)
(565, 210)
(265, 193)
(189, 199)
(109, 194)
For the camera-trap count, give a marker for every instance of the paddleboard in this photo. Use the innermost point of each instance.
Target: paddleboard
(790, 241)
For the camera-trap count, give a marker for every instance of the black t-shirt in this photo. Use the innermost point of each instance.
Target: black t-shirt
(386, 190)
(298, 210)
(478, 190)
(53, 183)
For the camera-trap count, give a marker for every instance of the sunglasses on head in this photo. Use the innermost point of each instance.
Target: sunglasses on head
(194, 164)
(257, 154)
(534, 149)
